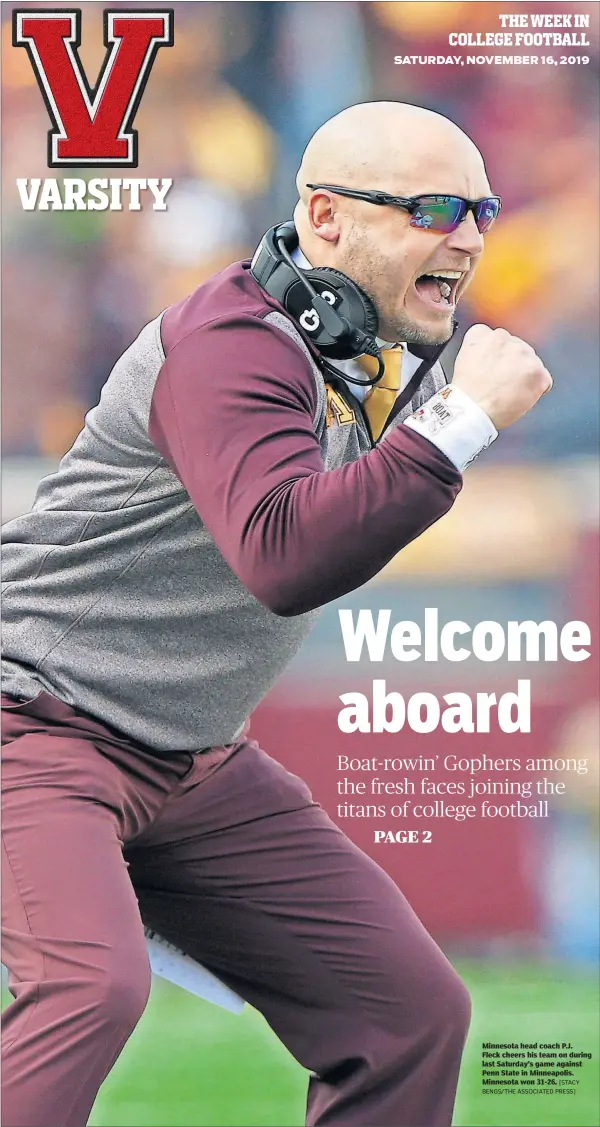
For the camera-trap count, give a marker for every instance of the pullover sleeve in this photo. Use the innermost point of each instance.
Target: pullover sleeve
(232, 413)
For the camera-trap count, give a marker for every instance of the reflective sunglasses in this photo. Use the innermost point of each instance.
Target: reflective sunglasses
(442, 214)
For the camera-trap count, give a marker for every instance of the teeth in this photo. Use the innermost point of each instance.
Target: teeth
(445, 289)
(448, 274)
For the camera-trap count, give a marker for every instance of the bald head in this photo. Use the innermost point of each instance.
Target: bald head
(401, 150)
(389, 145)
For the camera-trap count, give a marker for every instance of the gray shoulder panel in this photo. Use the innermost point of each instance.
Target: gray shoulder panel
(113, 456)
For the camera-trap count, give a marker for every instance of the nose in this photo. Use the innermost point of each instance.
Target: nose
(466, 238)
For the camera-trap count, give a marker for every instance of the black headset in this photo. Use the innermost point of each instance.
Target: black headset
(338, 317)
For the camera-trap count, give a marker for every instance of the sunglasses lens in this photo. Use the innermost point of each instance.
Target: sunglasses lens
(445, 213)
(485, 213)
(438, 213)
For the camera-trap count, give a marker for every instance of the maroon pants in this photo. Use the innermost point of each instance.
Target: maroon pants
(226, 855)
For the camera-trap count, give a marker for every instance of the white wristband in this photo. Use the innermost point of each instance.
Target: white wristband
(457, 425)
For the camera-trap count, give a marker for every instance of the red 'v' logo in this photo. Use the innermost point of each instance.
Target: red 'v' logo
(92, 126)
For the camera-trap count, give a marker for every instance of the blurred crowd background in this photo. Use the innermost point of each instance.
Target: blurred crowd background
(226, 114)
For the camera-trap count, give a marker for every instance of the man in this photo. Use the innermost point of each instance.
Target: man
(167, 573)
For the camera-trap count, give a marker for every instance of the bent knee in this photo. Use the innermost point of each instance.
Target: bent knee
(433, 1006)
(122, 993)
(442, 1005)
(116, 988)
(455, 1003)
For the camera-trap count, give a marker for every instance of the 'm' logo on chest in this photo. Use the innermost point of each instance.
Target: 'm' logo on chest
(338, 410)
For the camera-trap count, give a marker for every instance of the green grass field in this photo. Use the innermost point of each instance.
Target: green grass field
(190, 1064)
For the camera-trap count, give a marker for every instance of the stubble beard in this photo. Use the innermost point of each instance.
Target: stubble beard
(408, 331)
(371, 273)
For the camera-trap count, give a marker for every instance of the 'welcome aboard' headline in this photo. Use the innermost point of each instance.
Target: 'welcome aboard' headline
(455, 641)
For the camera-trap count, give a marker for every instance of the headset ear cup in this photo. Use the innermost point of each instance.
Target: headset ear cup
(337, 315)
(371, 320)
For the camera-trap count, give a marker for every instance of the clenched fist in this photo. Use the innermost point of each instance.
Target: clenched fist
(502, 373)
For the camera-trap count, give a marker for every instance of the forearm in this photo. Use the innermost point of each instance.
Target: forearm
(315, 538)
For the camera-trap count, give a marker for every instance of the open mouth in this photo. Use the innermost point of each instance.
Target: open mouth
(439, 288)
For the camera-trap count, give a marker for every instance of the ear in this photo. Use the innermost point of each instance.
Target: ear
(324, 216)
